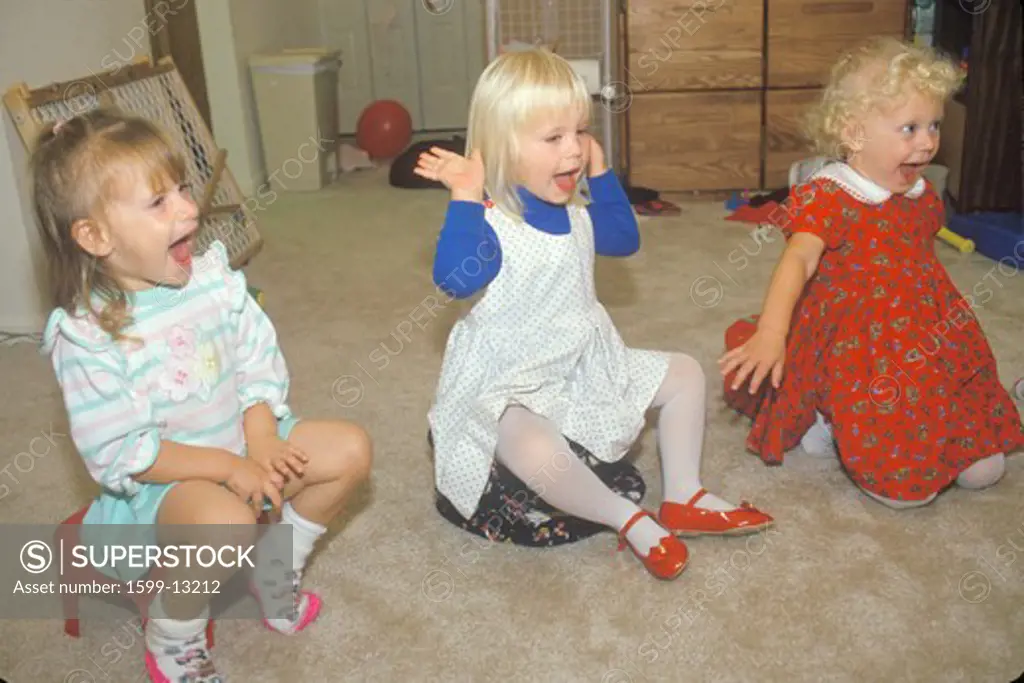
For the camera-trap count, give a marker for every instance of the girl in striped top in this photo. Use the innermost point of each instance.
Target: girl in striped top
(174, 384)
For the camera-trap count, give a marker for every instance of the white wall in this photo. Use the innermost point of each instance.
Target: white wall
(41, 42)
(231, 32)
(46, 41)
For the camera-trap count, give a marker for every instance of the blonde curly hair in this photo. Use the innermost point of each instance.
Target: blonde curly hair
(876, 76)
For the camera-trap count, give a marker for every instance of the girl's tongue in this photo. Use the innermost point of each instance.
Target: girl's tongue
(181, 251)
(910, 172)
(566, 182)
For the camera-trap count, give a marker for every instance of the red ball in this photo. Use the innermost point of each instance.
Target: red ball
(384, 129)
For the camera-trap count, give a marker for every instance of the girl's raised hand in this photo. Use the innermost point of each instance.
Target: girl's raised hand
(595, 154)
(463, 176)
(764, 353)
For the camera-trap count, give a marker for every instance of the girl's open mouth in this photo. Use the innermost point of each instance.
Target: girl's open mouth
(911, 172)
(566, 182)
(181, 251)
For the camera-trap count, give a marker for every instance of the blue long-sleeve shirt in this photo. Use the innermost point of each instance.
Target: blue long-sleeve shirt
(466, 234)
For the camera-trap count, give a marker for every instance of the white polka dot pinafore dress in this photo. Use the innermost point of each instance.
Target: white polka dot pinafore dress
(537, 337)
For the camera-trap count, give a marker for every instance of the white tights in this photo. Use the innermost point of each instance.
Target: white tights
(534, 450)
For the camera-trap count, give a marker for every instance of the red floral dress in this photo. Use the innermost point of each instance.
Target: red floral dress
(886, 348)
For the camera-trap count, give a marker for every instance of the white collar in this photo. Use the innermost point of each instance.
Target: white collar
(867, 191)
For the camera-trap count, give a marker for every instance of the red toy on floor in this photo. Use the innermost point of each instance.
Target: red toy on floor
(68, 533)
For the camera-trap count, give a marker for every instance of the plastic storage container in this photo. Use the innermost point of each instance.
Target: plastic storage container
(297, 106)
(1000, 236)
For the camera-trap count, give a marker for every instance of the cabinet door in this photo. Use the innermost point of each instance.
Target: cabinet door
(695, 141)
(785, 142)
(344, 28)
(450, 43)
(392, 31)
(684, 45)
(806, 36)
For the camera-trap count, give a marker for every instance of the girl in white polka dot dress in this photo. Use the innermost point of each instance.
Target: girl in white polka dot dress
(537, 359)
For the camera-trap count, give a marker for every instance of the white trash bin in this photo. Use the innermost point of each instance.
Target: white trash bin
(296, 95)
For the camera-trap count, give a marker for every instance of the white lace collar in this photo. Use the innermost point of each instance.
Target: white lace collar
(862, 189)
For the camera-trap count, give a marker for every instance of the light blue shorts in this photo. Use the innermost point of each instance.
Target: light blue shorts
(141, 509)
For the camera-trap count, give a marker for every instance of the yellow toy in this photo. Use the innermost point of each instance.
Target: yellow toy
(258, 295)
(961, 244)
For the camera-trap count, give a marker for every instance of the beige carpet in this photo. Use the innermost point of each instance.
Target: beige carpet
(843, 589)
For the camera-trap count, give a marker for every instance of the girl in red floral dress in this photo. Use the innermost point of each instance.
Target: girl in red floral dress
(882, 353)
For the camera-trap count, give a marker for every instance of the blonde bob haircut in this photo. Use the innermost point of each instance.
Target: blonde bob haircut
(877, 75)
(515, 93)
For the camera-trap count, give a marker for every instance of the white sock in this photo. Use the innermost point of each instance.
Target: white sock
(681, 399)
(179, 646)
(818, 439)
(534, 451)
(276, 582)
(305, 534)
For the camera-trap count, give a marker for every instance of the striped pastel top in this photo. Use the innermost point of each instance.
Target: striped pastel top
(208, 353)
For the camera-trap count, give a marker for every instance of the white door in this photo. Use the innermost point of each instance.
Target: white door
(426, 54)
(344, 26)
(451, 53)
(392, 31)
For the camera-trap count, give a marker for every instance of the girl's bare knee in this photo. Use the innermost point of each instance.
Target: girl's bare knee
(203, 502)
(356, 458)
(983, 473)
(204, 513)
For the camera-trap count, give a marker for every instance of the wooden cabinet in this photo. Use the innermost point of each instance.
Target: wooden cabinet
(805, 37)
(720, 88)
(785, 142)
(717, 134)
(710, 44)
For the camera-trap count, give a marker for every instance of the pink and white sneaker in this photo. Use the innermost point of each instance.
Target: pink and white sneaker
(185, 662)
(305, 605)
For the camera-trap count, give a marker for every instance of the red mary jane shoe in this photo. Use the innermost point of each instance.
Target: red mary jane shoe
(665, 561)
(689, 520)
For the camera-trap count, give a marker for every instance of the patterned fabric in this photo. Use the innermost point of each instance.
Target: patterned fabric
(884, 346)
(537, 337)
(208, 352)
(510, 512)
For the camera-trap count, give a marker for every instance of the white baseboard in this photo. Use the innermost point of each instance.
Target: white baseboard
(11, 325)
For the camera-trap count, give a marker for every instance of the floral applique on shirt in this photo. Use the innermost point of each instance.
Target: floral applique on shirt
(191, 368)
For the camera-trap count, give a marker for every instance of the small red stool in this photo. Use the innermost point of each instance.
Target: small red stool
(742, 400)
(68, 532)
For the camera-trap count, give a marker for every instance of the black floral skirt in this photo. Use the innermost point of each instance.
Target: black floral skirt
(510, 512)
